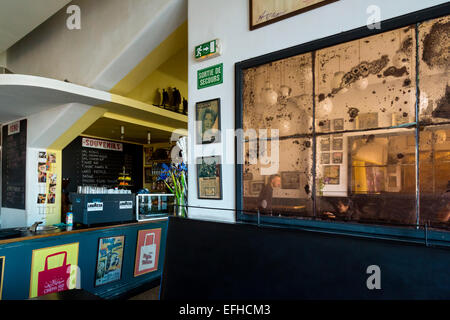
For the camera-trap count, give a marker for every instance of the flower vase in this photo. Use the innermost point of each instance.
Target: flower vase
(181, 210)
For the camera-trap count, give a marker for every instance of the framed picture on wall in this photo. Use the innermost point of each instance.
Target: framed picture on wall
(148, 153)
(209, 177)
(256, 187)
(109, 260)
(263, 12)
(207, 116)
(148, 178)
(290, 180)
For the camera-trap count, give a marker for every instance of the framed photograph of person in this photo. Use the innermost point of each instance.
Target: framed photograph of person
(209, 177)
(207, 116)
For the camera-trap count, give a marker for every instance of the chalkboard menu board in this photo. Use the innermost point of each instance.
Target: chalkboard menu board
(14, 150)
(95, 162)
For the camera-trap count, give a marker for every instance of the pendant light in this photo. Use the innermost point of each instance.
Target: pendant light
(362, 83)
(337, 79)
(268, 95)
(149, 136)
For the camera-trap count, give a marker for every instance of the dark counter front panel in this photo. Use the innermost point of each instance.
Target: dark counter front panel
(241, 261)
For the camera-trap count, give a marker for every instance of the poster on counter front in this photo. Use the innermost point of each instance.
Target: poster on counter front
(147, 251)
(109, 260)
(53, 269)
(2, 269)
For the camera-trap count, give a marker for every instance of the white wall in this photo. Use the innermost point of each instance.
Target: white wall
(229, 21)
(115, 36)
(3, 59)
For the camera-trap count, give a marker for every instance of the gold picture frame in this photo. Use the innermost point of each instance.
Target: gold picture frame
(263, 13)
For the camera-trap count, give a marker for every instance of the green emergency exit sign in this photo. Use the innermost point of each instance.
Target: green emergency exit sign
(210, 76)
(207, 50)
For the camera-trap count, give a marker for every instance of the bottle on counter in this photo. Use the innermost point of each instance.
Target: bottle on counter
(69, 217)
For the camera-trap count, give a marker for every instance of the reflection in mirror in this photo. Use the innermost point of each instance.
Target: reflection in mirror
(278, 95)
(367, 83)
(373, 180)
(435, 176)
(434, 65)
(283, 189)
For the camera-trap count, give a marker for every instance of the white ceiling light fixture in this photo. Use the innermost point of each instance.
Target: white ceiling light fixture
(122, 132)
(149, 137)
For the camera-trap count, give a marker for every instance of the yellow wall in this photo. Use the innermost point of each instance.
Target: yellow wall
(173, 73)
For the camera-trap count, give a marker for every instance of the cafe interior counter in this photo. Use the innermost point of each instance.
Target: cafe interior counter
(109, 261)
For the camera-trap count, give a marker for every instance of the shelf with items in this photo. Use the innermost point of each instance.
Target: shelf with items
(124, 179)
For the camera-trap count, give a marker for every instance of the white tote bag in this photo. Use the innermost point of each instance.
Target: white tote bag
(148, 253)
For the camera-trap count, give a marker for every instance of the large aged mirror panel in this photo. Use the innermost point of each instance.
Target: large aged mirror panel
(341, 133)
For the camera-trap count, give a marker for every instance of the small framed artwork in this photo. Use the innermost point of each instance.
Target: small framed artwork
(324, 125)
(325, 144)
(246, 188)
(337, 157)
(148, 175)
(338, 144)
(331, 175)
(367, 120)
(109, 260)
(290, 180)
(147, 251)
(209, 177)
(263, 12)
(256, 187)
(325, 158)
(148, 152)
(207, 115)
(338, 124)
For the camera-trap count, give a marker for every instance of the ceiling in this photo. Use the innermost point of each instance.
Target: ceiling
(19, 17)
(110, 129)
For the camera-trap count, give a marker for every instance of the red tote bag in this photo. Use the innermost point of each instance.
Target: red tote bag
(54, 280)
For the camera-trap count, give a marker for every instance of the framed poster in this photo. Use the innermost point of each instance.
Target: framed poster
(148, 175)
(263, 12)
(109, 260)
(209, 177)
(53, 269)
(331, 175)
(325, 158)
(290, 180)
(337, 157)
(207, 116)
(338, 124)
(2, 269)
(338, 144)
(148, 153)
(367, 120)
(147, 251)
(256, 187)
(325, 144)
